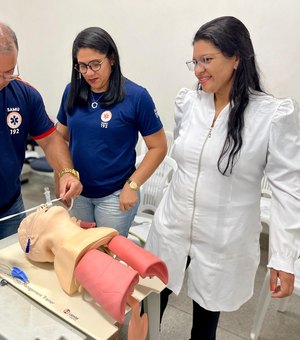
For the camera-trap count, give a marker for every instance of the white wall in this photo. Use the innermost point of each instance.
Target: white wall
(154, 40)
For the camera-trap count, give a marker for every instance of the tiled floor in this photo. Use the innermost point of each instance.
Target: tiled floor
(177, 319)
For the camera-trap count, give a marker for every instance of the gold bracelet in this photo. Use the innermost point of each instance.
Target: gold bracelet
(69, 171)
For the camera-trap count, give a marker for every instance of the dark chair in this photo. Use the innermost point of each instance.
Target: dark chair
(40, 164)
(36, 162)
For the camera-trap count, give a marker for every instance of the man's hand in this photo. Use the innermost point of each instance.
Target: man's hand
(69, 187)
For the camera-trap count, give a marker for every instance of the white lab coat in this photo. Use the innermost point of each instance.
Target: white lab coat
(215, 219)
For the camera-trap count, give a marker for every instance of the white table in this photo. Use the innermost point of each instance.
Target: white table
(40, 307)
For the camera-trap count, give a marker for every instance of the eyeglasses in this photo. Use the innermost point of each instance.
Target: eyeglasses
(204, 61)
(11, 75)
(94, 65)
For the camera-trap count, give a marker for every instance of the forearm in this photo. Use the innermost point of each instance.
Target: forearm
(157, 150)
(150, 162)
(56, 151)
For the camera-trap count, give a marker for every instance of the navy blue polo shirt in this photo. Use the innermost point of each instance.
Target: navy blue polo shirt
(103, 139)
(22, 112)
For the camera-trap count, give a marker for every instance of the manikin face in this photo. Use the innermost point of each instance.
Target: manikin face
(46, 230)
(8, 62)
(216, 76)
(98, 80)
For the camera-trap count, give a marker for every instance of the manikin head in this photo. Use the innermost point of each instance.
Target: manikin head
(51, 235)
(46, 230)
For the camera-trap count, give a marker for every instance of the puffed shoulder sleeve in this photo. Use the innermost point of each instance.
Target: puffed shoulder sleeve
(283, 172)
(180, 109)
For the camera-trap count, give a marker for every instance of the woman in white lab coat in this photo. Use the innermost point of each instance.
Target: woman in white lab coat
(228, 134)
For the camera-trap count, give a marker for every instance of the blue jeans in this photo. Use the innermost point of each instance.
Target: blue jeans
(10, 227)
(105, 211)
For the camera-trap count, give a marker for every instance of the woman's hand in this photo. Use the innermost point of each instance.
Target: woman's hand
(281, 283)
(128, 198)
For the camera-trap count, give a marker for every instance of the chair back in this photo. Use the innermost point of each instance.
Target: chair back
(297, 277)
(153, 189)
(265, 203)
(265, 188)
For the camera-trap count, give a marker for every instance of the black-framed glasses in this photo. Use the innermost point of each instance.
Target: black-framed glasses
(11, 75)
(203, 61)
(94, 65)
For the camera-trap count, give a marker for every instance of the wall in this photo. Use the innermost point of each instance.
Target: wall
(154, 40)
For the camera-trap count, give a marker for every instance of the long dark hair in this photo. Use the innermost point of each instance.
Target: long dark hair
(97, 39)
(232, 38)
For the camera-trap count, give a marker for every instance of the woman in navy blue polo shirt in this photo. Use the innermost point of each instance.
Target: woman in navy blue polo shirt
(100, 116)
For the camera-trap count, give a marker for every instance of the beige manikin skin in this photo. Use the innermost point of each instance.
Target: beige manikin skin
(60, 240)
(72, 251)
(56, 237)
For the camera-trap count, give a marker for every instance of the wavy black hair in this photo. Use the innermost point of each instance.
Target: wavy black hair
(232, 38)
(97, 39)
